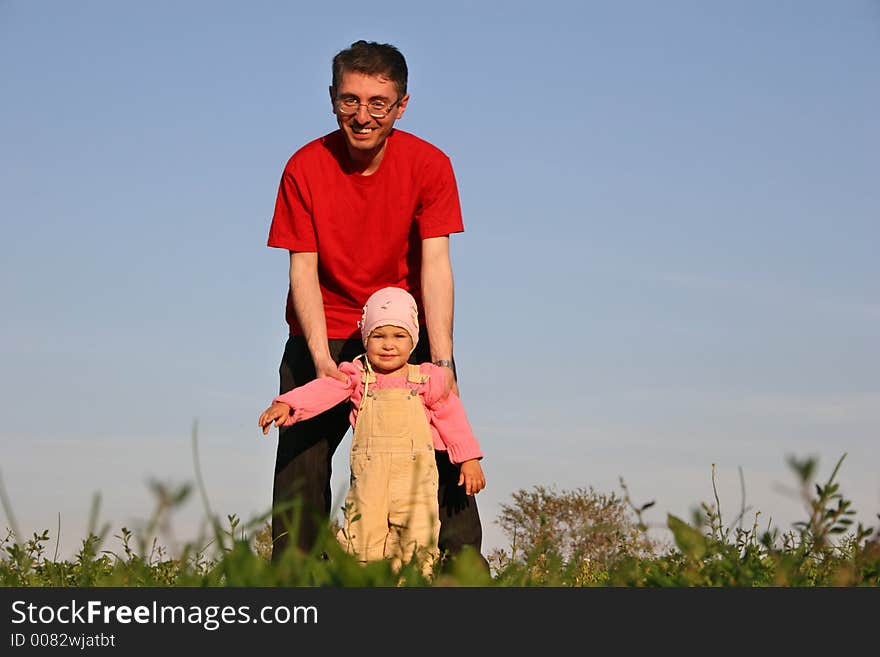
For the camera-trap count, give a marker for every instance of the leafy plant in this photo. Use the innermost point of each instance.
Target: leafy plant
(557, 538)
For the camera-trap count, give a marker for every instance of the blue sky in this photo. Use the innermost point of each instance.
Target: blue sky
(671, 212)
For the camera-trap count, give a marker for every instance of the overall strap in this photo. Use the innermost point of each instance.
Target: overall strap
(367, 377)
(414, 375)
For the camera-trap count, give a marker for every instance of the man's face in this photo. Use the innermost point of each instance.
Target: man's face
(365, 134)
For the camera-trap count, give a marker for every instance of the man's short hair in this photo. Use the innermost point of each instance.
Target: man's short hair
(371, 58)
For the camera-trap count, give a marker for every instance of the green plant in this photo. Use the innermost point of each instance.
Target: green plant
(568, 538)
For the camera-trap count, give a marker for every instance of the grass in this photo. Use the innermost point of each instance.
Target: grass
(570, 539)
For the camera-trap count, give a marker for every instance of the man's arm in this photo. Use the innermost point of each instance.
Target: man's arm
(438, 299)
(309, 307)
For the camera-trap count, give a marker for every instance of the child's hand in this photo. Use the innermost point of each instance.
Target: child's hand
(277, 413)
(472, 477)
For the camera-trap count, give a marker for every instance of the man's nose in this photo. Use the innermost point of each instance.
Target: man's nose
(362, 118)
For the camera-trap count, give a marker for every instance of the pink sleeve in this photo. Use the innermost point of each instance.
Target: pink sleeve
(319, 395)
(449, 418)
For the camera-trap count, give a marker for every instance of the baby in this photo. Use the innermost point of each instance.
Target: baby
(399, 418)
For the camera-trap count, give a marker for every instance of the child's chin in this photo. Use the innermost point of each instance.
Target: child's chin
(386, 368)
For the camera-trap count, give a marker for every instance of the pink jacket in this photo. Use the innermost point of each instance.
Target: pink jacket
(449, 425)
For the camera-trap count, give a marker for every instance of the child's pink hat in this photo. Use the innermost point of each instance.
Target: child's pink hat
(390, 306)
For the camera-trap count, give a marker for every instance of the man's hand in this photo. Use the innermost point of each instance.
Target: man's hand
(308, 305)
(327, 367)
(277, 413)
(438, 300)
(451, 384)
(472, 477)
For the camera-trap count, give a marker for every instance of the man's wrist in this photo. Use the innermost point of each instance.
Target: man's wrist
(444, 363)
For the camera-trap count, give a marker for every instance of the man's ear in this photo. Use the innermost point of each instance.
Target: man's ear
(401, 106)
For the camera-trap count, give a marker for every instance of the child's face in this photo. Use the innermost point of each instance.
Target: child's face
(388, 349)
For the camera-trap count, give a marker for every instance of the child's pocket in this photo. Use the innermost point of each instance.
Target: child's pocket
(388, 418)
(359, 462)
(426, 467)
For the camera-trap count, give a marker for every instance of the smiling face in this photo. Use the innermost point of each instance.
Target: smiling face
(365, 136)
(388, 349)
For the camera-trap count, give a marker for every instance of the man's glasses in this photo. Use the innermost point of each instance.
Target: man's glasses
(378, 109)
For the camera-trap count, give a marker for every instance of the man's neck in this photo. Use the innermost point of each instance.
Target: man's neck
(366, 163)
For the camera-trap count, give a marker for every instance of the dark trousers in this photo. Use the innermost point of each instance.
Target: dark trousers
(305, 453)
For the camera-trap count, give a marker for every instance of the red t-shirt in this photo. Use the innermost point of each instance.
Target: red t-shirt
(367, 230)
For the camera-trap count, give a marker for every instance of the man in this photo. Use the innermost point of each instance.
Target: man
(359, 209)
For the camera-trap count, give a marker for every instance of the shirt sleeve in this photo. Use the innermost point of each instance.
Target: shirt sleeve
(439, 210)
(315, 397)
(450, 421)
(292, 226)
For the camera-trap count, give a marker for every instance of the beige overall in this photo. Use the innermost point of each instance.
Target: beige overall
(391, 507)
